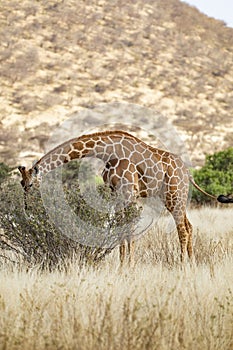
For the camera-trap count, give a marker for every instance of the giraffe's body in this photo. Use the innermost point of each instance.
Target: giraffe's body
(132, 168)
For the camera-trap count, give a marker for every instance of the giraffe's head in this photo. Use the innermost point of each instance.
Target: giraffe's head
(28, 177)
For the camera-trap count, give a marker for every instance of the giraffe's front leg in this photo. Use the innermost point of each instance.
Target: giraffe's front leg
(131, 249)
(127, 252)
(122, 252)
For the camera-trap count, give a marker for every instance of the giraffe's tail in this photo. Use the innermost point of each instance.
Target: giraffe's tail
(221, 198)
(224, 199)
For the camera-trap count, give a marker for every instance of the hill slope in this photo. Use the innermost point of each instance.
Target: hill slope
(57, 57)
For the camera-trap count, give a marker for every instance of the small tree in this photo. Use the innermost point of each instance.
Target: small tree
(30, 236)
(216, 176)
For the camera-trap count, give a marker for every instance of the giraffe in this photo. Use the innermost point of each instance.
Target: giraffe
(134, 169)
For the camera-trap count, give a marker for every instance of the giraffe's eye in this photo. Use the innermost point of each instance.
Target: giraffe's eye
(30, 185)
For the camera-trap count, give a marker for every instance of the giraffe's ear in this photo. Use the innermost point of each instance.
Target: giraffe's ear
(34, 171)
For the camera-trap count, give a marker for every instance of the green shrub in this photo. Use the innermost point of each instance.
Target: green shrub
(30, 235)
(215, 177)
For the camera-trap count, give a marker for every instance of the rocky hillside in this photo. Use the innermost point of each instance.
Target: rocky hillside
(58, 57)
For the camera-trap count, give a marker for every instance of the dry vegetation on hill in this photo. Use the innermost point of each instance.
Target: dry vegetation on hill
(57, 57)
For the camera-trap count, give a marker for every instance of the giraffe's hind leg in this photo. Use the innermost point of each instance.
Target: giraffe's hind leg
(184, 229)
(183, 238)
(176, 192)
(189, 229)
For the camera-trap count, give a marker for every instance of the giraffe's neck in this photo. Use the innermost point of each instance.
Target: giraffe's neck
(103, 145)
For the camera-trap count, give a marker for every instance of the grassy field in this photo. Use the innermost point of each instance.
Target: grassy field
(156, 305)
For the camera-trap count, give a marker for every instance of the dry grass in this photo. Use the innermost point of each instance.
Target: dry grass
(157, 305)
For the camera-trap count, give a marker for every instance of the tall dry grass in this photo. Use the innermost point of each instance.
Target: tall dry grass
(156, 305)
